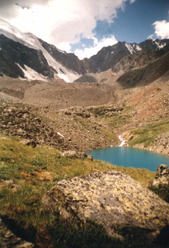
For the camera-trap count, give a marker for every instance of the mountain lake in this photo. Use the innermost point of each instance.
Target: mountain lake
(130, 157)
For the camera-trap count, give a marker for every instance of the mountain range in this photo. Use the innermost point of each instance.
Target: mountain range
(25, 56)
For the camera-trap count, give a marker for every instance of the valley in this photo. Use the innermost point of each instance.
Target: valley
(92, 115)
(53, 108)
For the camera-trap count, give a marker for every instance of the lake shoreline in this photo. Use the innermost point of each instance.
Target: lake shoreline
(140, 147)
(130, 157)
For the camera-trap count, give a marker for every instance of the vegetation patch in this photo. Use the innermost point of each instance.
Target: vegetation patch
(147, 135)
(26, 174)
(113, 117)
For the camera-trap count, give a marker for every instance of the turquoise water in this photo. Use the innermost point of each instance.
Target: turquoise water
(130, 157)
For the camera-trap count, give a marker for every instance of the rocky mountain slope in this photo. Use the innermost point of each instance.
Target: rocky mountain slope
(25, 56)
(69, 60)
(146, 74)
(124, 56)
(17, 60)
(29, 44)
(92, 115)
(21, 121)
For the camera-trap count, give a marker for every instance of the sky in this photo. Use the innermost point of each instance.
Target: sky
(85, 26)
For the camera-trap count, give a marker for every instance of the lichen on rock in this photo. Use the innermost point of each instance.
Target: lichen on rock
(162, 176)
(129, 213)
(160, 184)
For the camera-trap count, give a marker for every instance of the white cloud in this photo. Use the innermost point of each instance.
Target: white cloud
(98, 45)
(132, 1)
(150, 37)
(64, 46)
(60, 22)
(161, 29)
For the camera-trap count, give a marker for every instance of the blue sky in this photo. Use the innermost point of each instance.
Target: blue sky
(85, 26)
(134, 23)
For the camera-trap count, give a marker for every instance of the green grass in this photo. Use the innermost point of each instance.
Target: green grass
(148, 134)
(88, 125)
(84, 122)
(118, 120)
(27, 173)
(112, 118)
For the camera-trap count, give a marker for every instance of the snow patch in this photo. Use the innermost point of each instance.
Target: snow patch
(30, 74)
(123, 142)
(138, 48)
(60, 134)
(68, 78)
(14, 34)
(160, 45)
(133, 48)
(130, 48)
(68, 75)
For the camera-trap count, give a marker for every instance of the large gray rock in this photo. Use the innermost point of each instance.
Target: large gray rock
(129, 213)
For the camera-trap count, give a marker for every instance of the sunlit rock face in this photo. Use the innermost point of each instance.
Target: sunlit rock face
(129, 213)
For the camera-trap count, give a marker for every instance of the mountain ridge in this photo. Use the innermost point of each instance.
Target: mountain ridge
(43, 61)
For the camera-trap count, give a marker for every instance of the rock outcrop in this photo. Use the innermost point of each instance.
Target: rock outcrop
(9, 239)
(160, 184)
(162, 176)
(19, 120)
(146, 74)
(69, 60)
(130, 215)
(161, 144)
(76, 154)
(14, 56)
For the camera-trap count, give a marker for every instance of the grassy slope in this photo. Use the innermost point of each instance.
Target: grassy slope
(27, 173)
(149, 133)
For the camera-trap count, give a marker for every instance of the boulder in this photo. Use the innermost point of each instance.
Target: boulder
(162, 176)
(160, 184)
(128, 214)
(76, 154)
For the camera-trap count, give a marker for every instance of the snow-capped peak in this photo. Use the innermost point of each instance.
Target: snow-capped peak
(133, 48)
(30, 40)
(159, 44)
(13, 33)
(137, 47)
